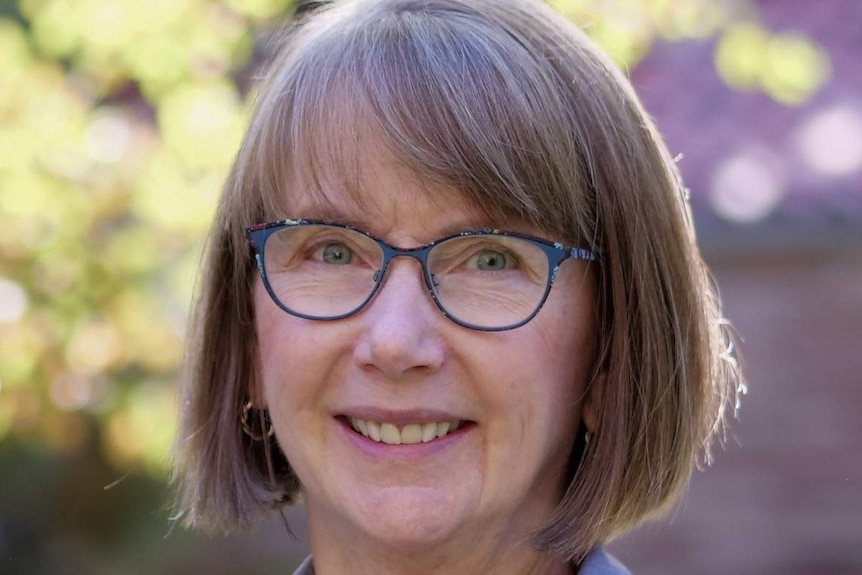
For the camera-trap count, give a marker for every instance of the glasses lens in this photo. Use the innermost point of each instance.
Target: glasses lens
(321, 271)
(489, 280)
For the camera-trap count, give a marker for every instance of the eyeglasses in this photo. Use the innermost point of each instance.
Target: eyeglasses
(486, 280)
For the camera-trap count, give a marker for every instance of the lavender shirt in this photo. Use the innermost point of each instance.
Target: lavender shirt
(597, 562)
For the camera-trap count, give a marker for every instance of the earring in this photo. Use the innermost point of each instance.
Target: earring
(582, 445)
(246, 422)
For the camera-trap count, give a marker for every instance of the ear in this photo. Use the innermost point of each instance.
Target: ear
(592, 401)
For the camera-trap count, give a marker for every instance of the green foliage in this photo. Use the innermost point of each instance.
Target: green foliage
(786, 66)
(626, 29)
(119, 121)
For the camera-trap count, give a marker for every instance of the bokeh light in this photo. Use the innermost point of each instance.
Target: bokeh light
(13, 301)
(830, 141)
(788, 67)
(746, 188)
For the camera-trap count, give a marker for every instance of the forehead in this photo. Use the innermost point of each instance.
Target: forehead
(379, 194)
(350, 169)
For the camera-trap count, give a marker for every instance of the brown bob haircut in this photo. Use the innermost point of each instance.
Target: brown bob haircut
(509, 103)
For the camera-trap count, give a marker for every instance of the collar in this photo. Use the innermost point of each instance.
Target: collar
(597, 562)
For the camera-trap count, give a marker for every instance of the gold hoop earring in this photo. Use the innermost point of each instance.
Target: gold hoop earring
(246, 423)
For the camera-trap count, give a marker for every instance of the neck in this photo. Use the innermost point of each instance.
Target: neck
(367, 565)
(480, 556)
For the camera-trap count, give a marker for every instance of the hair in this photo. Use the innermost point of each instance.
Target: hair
(511, 104)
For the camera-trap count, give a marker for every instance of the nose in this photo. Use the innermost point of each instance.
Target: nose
(401, 326)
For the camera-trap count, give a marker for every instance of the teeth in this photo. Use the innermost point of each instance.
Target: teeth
(373, 430)
(408, 434)
(411, 433)
(429, 432)
(390, 434)
(362, 425)
(442, 429)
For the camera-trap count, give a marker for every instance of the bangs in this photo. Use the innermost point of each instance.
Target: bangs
(443, 96)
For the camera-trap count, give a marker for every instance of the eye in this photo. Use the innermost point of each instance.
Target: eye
(492, 260)
(335, 253)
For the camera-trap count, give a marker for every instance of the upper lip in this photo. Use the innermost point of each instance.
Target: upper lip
(401, 416)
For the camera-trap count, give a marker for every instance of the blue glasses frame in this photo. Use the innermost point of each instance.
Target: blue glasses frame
(556, 253)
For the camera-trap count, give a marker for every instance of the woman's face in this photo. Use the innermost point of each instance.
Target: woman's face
(516, 396)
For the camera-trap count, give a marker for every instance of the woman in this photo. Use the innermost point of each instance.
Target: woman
(367, 336)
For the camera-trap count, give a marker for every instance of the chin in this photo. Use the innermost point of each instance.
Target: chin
(409, 517)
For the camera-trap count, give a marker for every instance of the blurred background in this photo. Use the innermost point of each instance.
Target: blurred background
(118, 120)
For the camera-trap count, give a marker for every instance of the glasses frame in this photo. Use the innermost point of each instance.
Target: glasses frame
(556, 253)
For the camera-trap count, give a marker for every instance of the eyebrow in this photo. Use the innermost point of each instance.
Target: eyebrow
(330, 214)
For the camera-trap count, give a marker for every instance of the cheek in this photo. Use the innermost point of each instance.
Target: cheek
(278, 349)
(558, 359)
(568, 339)
(282, 339)
(268, 329)
(298, 358)
(554, 361)
(534, 385)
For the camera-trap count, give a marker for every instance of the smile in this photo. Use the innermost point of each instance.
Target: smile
(409, 434)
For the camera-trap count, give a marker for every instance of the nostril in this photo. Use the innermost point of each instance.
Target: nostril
(399, 336)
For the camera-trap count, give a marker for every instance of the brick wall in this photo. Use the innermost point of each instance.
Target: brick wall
(785, 497)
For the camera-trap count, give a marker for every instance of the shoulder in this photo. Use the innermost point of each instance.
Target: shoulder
(305, 568)
(597, 562)
(600, 562)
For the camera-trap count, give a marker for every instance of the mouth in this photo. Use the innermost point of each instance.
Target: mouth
(408, 434)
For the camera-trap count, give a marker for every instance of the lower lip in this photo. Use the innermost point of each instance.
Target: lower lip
(404, 452)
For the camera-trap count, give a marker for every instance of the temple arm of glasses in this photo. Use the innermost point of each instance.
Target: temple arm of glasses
(582, 254)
